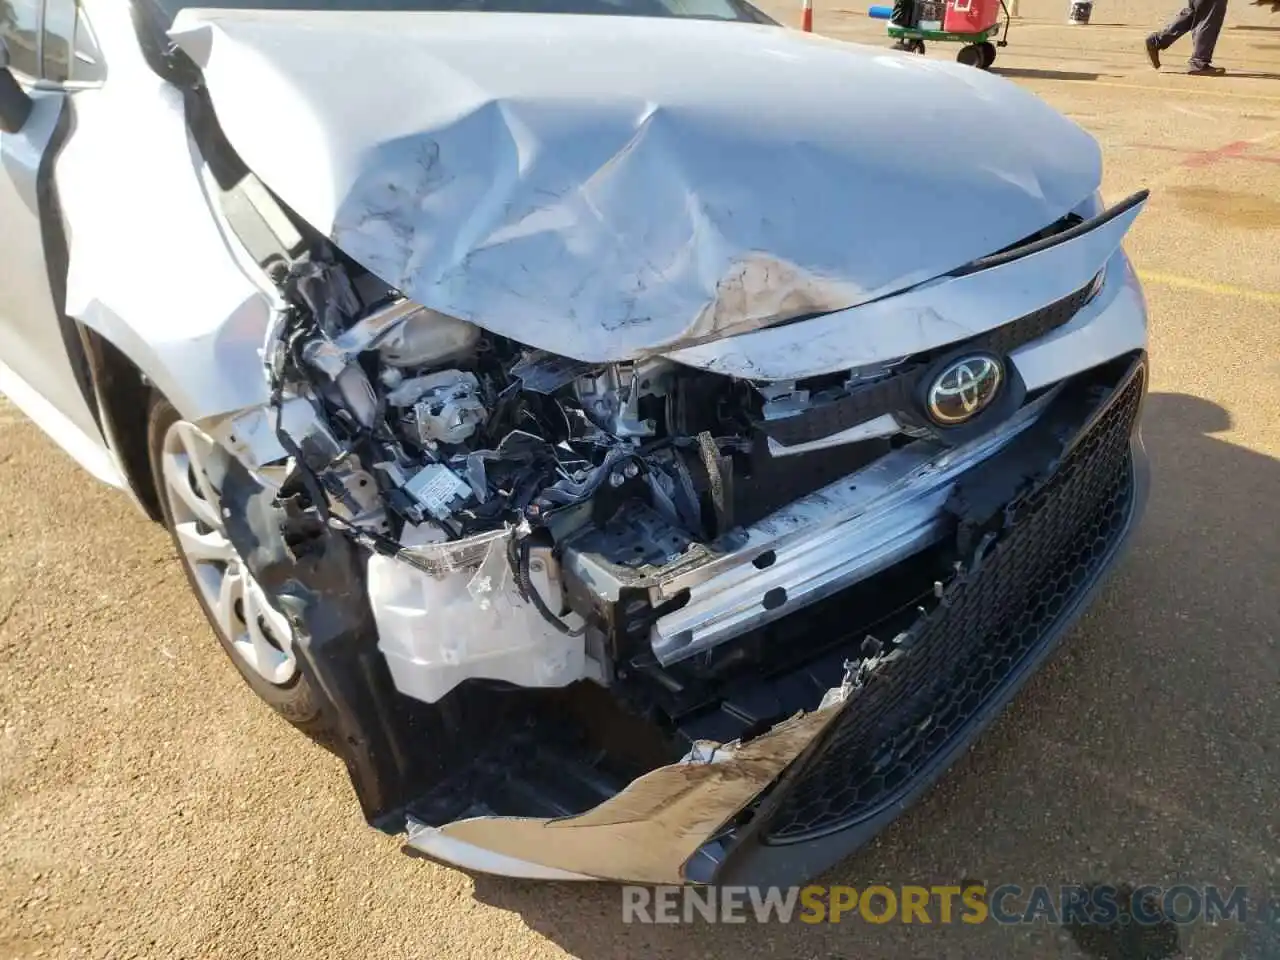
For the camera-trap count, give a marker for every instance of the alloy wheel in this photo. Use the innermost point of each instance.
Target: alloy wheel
(194, 465)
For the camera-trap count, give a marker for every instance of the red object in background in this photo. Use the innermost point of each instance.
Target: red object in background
(806, 16)
(970, 16)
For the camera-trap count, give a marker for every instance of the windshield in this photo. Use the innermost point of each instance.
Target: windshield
(738, 10)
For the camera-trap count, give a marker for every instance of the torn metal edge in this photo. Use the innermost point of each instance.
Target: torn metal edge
(644, 834)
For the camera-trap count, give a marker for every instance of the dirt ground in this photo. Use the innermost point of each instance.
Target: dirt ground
(150, 806)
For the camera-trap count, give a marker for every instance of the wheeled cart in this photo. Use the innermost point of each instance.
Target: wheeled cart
(974, 23)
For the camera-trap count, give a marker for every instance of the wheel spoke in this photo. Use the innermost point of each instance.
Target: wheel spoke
(229, 592)
(201, 453)
(207, 547)
(177, 474)
(277, 623)
(260, 636)
(269, 660)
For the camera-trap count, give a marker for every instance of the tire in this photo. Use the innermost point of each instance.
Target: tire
(970, 55)
(988, 54)
(293, 698)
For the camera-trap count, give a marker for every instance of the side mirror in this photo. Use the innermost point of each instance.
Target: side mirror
(15, 105)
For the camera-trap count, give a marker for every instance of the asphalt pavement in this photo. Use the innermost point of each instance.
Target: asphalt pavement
(150, 806)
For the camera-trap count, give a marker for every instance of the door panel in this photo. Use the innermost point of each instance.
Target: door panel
(34, 340)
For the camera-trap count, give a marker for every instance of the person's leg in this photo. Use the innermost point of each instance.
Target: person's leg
(1204, 35)
(1165, 37)
(1175, 28)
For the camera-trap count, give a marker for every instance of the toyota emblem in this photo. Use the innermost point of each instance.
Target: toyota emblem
(964, 389)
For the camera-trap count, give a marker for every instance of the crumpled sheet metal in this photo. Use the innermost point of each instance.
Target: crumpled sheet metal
(649, 830)
(924, 318)
(609, 188)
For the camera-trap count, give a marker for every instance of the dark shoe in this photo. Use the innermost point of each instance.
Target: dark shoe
(1205, 70)
(1153, 50)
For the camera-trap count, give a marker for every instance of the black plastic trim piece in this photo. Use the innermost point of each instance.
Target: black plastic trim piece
(1079, 230)
(14, 103)
(57, 258)
(392, 745)
(121, 400)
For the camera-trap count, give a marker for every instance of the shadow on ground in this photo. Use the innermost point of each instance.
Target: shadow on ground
(1111, 765)
(1029, 73)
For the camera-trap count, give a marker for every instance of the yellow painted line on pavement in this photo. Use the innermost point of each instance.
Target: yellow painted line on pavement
(1201, 89)
(1208, 286)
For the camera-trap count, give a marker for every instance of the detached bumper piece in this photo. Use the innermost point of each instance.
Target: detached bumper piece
(1033, 564)
(1036, 526)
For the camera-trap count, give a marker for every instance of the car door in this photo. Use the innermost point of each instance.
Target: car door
(41, 366)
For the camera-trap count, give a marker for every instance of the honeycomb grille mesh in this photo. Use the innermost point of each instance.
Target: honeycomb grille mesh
(955, 657)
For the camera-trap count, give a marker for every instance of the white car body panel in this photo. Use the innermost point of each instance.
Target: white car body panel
(85, 448)
(684, 181)
(1112, 324)
(33, 343)
(149, 268)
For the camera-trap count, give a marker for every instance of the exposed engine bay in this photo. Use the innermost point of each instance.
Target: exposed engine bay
(446, 448)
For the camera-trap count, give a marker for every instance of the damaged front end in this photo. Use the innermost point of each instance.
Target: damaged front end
(639, 621)
(589, 590)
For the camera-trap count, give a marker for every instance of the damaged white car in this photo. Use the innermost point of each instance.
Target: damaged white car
(647, 442)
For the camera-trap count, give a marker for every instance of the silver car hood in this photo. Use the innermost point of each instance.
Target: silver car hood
(608, 188)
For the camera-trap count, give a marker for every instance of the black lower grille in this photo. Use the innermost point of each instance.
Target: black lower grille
(955, 657)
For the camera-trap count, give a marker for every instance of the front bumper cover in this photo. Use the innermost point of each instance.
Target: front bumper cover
(1039, 528)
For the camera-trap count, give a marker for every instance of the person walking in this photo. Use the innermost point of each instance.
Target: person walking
(1204, 19)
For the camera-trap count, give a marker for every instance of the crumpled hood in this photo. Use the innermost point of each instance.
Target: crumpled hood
(608, 187)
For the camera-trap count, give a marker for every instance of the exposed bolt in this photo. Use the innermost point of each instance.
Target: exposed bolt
(616, 479)
(631, 470)
(536, 566)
